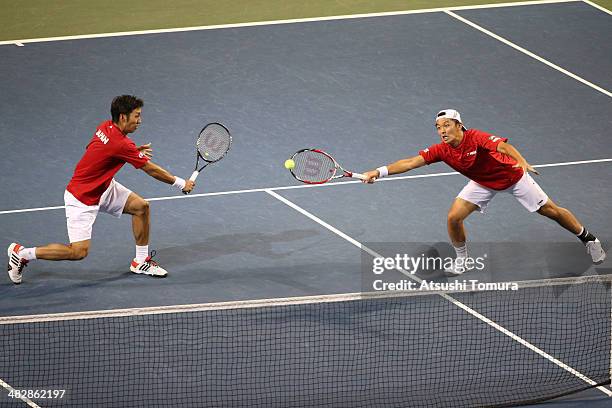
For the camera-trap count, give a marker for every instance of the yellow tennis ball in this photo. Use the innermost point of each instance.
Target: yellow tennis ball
(289, 164)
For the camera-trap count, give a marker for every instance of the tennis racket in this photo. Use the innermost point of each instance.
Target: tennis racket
(314, 166)
(214, 141)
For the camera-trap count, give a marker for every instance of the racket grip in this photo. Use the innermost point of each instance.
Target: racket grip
(194, 175)
(358, 176)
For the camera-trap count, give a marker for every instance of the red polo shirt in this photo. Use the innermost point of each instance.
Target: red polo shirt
(108, 150)
(477, 158)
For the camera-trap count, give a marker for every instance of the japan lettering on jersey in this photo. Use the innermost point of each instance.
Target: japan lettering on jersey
(102, 136)
(108, 150)
(477, 158)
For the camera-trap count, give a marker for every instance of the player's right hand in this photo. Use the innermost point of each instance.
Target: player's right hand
(526, 167)
(189, 185)
(370, 176)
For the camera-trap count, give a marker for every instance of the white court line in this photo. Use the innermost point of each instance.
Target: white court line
(445, 296)
(278, 22)
(597, 6)
(529, 53)
(32, 209)
(24, 399)
(260, 190)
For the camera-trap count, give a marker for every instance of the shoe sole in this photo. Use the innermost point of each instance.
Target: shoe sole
(8, 265)
(600, 260)
(148, 274)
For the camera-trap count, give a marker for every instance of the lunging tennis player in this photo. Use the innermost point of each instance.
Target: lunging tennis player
(493, 166)
(93, 189)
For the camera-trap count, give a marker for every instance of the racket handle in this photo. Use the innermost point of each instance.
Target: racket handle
(193, 177)
(358, 176)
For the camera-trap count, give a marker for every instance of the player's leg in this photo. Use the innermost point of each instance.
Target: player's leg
(473, 197)
(562, 216)
(74, 251)
(534, 199)
(459, 211)
(568, 220)
(139, 209)
(79, 221)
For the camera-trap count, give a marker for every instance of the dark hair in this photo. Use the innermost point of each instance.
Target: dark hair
(124, 104)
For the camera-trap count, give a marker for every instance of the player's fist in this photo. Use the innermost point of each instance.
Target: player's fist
(188, 186)
(370, 176)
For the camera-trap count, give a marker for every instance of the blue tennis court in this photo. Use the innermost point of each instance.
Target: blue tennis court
(364, 89)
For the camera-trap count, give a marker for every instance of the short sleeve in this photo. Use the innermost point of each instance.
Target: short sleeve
(129, 153)
(488, 141)
(432, 154)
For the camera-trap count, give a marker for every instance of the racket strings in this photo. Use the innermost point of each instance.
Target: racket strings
(313, 167)
(214, 141)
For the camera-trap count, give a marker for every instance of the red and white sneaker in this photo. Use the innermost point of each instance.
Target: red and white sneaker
(15, 263)
(148, 267)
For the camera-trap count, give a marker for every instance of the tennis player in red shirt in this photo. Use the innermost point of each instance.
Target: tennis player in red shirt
(493, 166)
(93, 189)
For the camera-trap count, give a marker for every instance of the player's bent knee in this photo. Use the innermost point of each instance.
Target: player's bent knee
(455, 218)
(140, 207)
(79, 253)
(143, 207)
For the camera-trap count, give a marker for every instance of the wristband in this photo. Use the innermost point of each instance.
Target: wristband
(383, 171)
(179, 182)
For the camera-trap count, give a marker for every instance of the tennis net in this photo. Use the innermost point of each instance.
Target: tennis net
(412, 349)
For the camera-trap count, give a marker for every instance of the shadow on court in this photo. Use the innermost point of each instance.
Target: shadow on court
(255, 243)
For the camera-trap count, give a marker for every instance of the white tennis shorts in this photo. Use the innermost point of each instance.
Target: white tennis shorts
(526, 191)
(80, 217)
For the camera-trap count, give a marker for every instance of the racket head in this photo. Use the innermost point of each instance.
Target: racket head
(213, 143)
(313, 166)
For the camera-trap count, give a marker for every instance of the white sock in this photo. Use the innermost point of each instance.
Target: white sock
(28, 253)
(141, 253)
(461, 251)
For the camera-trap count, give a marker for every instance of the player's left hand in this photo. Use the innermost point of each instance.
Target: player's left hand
(146, 150)
(526, 167)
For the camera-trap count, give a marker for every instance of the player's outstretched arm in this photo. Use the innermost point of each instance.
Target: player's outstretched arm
(400, 166)
(508, 149)
(161, 174)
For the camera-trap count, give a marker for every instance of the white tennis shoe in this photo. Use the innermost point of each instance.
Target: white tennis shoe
(15, 263)
(596, 251)
(148, 267)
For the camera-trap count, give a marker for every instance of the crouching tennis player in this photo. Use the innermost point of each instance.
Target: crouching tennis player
(93, 189)
(493, 166)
